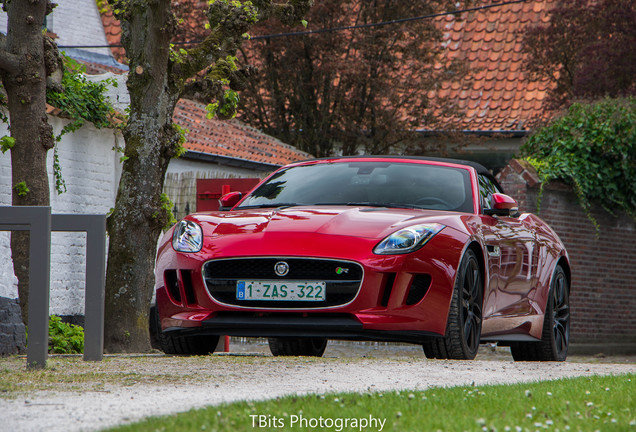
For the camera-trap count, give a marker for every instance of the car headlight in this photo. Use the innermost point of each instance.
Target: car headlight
(408, 239)
(187, 237)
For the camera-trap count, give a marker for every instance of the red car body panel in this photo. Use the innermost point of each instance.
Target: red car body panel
(518, 257)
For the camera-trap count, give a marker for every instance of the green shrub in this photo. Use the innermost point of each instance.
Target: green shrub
(65, 338)
(593, 149)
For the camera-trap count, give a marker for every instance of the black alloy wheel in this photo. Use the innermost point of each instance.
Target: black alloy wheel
(555, 338)
(309, 346)
(463, 329)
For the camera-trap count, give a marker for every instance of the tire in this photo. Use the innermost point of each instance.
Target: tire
(313, 347)
(555, 337)
(463, 328)
(153, 327)
(184, 345)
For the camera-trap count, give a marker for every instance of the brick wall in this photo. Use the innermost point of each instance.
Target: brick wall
(603, 268)
(91, 171)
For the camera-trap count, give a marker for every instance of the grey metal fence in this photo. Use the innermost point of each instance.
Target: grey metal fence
(40, 222)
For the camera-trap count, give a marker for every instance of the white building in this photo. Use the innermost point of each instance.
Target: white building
(91, 167)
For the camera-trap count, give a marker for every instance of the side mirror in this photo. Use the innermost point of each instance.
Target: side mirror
(503, 205)
(229, 200)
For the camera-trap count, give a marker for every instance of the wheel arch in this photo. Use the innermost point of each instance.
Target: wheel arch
(481, 259)
(565, 265)
(456, 344)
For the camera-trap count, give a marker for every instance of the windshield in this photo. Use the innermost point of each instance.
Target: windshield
(374, 183)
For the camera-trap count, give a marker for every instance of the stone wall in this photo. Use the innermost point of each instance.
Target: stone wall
(603, 291)
(12, 330)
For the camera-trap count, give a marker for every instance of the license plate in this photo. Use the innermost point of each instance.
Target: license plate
(280, 291)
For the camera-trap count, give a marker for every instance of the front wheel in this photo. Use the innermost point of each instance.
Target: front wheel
(463, 329)
(555, 337)
(313, 347)
(182, 345)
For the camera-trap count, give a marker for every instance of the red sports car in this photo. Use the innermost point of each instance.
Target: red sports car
(418, 250)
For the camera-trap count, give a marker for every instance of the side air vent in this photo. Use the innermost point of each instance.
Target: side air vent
(186, 280)
(172, 285)
(419, 288)
(389, 279)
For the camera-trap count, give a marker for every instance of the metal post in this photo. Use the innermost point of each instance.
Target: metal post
(95, 285)
(39, 279)
(37, 220)
(95, 228)
(40, 223)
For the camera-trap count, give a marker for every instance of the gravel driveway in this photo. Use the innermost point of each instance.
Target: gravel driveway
(92, 396)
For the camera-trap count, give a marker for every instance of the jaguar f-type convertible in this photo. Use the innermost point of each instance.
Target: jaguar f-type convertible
(405, 249)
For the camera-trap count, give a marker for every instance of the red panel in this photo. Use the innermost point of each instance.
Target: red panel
(210, 190)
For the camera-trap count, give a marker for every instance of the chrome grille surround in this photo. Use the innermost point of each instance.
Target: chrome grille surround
(220, 278)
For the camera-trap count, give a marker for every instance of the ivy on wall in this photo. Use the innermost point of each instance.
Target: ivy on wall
(592, 147)
(80, 100)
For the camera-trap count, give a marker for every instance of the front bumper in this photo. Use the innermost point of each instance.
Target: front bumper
(384, 308)
(285, 325)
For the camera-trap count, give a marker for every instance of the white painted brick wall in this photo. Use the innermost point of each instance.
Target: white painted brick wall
(8, 282)
(91, 170)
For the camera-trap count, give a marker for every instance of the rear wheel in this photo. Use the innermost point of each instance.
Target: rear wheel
(463, 329)
(314, 346)
(184, 345)
(555, 337)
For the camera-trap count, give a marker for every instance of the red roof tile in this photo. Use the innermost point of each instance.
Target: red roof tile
(112, 30)
(231, 138)
(97, 69)
(490, 42)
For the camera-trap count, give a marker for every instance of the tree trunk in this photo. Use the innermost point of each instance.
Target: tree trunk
(24, 78)
(151, 142)
(155, 83)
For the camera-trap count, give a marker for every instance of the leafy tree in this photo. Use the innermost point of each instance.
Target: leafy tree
(592, 148)
(159, 75)
(27, 58)
(586, 49)
(349, 90)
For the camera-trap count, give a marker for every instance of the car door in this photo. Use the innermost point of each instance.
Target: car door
(512, 258)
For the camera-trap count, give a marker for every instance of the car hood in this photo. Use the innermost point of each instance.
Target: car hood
(365, 222)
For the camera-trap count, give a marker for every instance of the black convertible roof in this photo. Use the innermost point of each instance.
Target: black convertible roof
(478, 167)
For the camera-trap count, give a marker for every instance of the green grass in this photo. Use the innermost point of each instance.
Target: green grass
(605, 403)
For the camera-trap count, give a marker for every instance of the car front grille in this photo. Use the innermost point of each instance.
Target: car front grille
(343, 279)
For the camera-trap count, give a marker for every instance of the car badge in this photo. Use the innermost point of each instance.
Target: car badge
(340, 270)
(281, 268)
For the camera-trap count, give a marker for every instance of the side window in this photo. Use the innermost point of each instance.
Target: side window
(486, 189)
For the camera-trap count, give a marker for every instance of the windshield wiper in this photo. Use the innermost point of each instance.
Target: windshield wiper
(372, 204)
(276, 206)
(350, 204)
